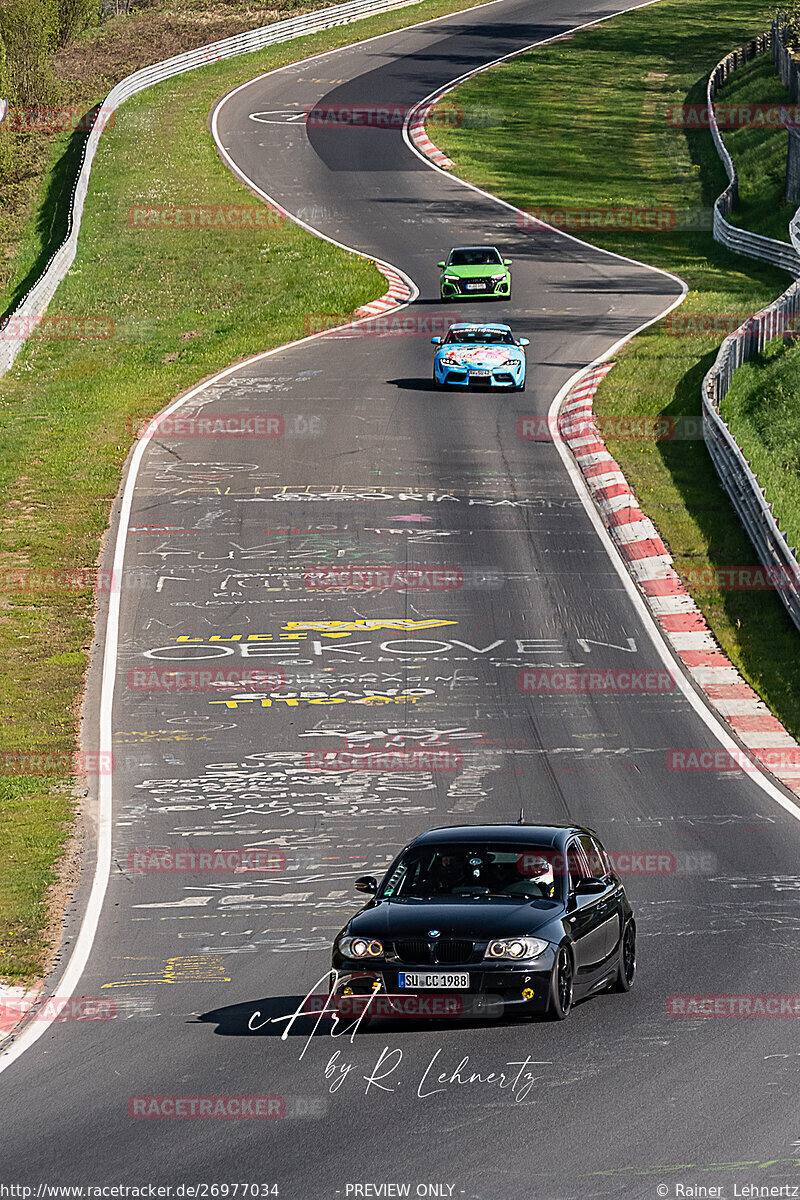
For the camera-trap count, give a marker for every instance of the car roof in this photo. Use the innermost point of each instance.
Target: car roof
(474, 248)
(540, 835)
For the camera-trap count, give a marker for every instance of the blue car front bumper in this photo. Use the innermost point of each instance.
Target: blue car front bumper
(510, 376)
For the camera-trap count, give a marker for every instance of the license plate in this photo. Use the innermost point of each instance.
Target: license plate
(479, 374)
(476, 287)
(425, 979)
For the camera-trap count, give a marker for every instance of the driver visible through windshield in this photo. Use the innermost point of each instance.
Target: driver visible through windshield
(475, 872)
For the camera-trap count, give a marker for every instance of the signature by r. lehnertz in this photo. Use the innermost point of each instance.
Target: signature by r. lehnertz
(517, 1077)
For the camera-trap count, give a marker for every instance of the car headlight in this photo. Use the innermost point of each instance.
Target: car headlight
(361, 947)
(498, 278)
(511, 362)
(449, 360)
(516, 948)
(451, 279)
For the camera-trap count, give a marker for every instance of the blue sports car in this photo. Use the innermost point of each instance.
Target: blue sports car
(479, 356)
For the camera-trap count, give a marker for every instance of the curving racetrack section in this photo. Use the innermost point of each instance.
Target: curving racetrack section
(373, 468)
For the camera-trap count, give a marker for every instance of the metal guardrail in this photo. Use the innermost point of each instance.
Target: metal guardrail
(780, 254)
(794, 231)
(735, 472)
(784, 61)
(32, 307)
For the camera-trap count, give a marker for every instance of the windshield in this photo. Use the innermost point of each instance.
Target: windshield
(507, 871)
(480, 337)
(475, 256)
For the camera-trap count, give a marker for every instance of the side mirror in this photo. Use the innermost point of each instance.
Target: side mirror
(590, 887)
(441, 264)
(506, 262)
(524, 342)
(367, 883)
(437, 341)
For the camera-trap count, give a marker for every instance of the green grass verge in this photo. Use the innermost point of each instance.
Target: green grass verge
(759, 151)
(585, 126)
(183, 305)
(763, 406)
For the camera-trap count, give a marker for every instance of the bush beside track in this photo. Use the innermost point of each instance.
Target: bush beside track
(58, 59)
(586, 126)
(182, 305)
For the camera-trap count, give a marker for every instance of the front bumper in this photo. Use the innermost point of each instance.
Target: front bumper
(495, 990)
(460, 291)
(497, 377)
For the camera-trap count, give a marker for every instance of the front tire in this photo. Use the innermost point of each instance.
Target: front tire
(626, 972)
(561, 986)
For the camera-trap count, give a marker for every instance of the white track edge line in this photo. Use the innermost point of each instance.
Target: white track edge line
(85, 940)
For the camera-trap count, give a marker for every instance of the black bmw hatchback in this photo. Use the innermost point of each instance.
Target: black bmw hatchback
(487, 920)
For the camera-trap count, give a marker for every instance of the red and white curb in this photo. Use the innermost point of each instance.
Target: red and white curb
(650, 564)
(416, 131)
(399, 292)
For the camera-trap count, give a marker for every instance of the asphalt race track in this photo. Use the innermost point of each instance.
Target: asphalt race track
(374, 468)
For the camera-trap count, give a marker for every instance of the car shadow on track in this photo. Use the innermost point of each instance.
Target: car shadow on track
(420, 384)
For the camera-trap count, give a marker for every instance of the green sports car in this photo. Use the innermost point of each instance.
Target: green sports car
(475, 271)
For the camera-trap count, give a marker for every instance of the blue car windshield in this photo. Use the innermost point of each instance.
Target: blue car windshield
(480, 337)
(491, 871)
(475, 256)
